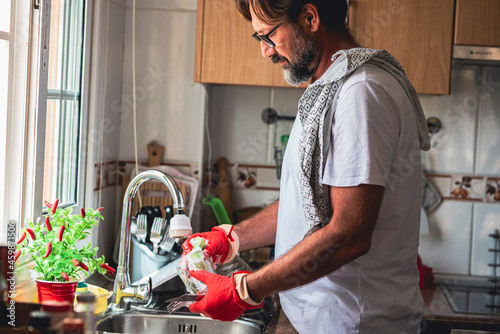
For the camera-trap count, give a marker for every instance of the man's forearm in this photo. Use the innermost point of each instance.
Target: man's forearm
(259, 230)
(316, 256)
(346, 237)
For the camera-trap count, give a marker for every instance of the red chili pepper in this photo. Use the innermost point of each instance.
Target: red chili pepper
(108, 268)
(82, 212)
(49, 249)
(54, 208)
(83, 266)
(47, 224)
(18, 254)
(64, 275)
(47, 204)
(100, 209)
(80, 264)
(110, 273)
(21, 239)
(60, 233)
(31, 233)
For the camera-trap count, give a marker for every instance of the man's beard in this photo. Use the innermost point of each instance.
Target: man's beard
(300, 69)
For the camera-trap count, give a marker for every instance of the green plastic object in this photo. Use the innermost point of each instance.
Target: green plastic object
(219, 210)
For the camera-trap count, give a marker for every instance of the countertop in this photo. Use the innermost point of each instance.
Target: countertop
(437, 308)
(438, 317)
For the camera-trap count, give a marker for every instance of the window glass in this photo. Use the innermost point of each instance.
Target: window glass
(5, 15)
(61, 170)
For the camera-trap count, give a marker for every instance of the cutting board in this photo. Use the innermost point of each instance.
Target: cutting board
(224, 192)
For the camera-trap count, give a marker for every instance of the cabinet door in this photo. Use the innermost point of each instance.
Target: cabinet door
(417, 33)
(477, 22)
(226, 53)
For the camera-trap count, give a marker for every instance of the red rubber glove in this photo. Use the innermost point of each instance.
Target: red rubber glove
(221, 301)
(217, 244)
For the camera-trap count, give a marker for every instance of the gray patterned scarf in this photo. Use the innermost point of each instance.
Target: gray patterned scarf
(316, 115)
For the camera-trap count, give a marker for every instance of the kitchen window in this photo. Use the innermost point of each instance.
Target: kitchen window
(41, 118)
(63, 118)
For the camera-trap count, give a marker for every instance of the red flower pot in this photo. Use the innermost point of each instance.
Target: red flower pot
(58, 291)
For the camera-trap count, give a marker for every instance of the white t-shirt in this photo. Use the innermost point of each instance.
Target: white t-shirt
(374, 141)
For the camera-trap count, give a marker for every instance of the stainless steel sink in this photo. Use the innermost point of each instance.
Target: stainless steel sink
(151, 321)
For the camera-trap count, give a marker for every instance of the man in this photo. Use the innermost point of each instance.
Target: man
(346, 226)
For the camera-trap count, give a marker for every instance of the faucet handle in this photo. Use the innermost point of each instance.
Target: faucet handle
(144, 290)
(140, 293)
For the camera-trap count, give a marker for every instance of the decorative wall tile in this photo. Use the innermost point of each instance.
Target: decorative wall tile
(467, 187)
(441, 182)
(492, 190)
(254, 177)
(486, 220)
(109, 174)
(447, 246)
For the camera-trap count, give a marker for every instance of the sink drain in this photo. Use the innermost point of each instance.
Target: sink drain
(184, 328)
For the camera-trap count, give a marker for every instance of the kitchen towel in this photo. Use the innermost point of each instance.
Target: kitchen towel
(316, 114)
(431, 198)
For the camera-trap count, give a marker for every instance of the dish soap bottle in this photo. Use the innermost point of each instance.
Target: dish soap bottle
(84, 309)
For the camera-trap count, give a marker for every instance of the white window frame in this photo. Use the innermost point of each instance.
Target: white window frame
(11, 206)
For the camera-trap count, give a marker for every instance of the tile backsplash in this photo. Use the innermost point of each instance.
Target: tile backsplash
(465, 153)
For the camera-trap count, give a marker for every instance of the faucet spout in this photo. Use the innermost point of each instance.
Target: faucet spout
(123, 289)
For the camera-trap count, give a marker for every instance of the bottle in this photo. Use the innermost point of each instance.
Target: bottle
(39, 321)
(84, 309)
(82, 287)
(58, 311)
(74, 326)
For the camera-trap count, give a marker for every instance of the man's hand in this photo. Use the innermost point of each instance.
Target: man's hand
(221, 301)
(218, 244)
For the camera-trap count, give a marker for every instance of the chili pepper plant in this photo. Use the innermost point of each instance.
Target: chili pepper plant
(53, 244)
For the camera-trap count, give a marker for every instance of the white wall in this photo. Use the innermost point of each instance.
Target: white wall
(104, 124)
(468, 144)
(169, 105)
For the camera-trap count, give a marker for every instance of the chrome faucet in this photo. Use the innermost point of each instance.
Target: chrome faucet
(124, 293)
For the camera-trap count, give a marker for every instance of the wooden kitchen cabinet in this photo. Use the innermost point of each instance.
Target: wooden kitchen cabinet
(477, 22)
(226, 53)
(418, 33)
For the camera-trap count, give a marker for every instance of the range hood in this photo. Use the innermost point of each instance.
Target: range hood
(488, 55)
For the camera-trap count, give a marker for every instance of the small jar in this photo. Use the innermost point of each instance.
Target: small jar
(40, 321)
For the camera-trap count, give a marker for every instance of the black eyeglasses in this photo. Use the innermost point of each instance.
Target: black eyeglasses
(265, 38)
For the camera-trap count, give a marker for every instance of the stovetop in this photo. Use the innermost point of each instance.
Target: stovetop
(473, 299)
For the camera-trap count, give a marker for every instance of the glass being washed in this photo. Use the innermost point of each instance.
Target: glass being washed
(194, 260)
